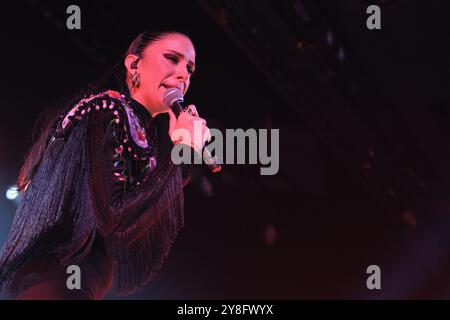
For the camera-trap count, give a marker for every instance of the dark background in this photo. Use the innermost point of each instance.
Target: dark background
(364, 123)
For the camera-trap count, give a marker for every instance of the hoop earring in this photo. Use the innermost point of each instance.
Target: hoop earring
(135, 80)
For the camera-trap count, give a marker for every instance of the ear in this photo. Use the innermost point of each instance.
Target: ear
(129, 62)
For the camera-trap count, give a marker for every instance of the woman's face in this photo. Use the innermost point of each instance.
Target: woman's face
(166, 63)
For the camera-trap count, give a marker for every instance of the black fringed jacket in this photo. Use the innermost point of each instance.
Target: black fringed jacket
(105, 197)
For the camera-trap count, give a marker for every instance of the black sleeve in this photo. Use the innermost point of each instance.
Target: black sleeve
(114, 199)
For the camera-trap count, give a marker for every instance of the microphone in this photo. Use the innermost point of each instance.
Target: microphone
(173, 98)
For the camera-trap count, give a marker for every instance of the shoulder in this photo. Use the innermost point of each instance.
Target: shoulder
(110, 101)
(103, 109)
(107, 112)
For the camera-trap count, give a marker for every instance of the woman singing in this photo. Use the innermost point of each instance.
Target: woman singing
(99, 189)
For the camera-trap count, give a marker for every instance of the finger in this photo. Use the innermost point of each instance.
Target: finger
(198, 119)
(207, 135)
(192, 110)
(195, 121)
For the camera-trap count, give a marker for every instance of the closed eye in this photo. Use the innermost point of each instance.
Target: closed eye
(172, 58)
(190, 69)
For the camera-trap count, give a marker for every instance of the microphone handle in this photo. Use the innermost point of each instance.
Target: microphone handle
(210, 161)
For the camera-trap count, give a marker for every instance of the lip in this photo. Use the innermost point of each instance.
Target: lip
(168, 86)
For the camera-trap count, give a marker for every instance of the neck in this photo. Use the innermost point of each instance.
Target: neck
(138, 97)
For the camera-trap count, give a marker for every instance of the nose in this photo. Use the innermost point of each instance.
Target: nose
(182, 72)
(183, 76)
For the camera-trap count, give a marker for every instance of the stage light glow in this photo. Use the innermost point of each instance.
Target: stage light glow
(341, 54)
(330, 38)
(12, 193)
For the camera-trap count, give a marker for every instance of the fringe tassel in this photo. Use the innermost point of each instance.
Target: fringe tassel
(43, 203)
(141, 249)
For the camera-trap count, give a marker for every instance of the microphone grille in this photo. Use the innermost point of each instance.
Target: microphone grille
(171, 96)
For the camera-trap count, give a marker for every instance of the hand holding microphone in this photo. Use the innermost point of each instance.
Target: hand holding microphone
(189, 122)
(188, 119)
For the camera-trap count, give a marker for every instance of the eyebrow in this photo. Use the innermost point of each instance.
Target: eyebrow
(190, 62)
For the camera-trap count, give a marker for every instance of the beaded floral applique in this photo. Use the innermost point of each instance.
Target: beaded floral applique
(137, 148)
(136, 130)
